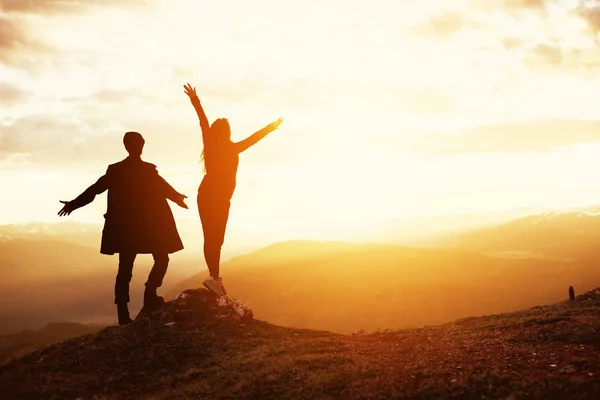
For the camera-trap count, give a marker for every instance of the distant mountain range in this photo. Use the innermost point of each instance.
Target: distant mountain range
(87, 234)
(418, 230)
(428, 230)
(571, 234)
(54, 272)
(45, 281)
(76, 232)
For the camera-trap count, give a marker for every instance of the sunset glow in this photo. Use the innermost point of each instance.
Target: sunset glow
(392, 109)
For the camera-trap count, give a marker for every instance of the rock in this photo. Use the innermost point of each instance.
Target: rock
(181, 296)
(360, 332)
(231, 317)
(569, 369)
(195, 306)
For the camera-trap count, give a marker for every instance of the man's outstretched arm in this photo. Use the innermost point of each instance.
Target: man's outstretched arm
(172, 194)
(84, 198)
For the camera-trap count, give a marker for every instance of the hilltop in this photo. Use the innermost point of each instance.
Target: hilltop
(188, 351)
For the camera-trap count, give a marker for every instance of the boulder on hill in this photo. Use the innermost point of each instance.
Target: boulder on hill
(195, 306)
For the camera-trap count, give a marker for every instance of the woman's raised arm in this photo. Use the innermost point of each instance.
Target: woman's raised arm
(258, 135)
(204, 125)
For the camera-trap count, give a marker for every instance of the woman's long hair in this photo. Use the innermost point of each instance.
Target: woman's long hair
(217, 140)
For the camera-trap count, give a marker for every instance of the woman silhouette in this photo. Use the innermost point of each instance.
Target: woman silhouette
(221, 158)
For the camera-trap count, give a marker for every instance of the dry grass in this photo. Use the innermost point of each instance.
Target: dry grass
(545, 352)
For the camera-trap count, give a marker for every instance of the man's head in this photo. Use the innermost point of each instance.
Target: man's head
(134, 143)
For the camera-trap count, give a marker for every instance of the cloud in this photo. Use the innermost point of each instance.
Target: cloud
(511, 42)
(258, 87)
(429, 100)
(113, 96)
(441, 25)
(448, 23)
(538, 35)
(23, 46)
(549, 53)
(38, 6)
(535, 136)
(12, 37)
(37, 132)
(49, 140)
(10, 34)
(590, 12)
(524, 4)
(10, 95)
(42, 141)
(19, 48)
(64, 6)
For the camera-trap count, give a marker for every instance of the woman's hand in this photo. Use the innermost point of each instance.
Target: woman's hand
(190, 91)
(274, 125)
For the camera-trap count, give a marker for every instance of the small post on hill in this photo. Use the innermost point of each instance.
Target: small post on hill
(571, 293)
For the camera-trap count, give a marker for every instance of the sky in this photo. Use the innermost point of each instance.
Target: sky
(391, 108)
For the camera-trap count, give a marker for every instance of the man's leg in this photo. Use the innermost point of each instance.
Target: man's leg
(155, 279)
(122, 286)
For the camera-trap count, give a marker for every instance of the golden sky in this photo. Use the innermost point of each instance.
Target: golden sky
(392, 108)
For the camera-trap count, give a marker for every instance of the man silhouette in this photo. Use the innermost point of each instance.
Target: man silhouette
(138, 221)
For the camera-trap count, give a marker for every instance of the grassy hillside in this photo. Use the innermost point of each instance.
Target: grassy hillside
(24, 342)
(342, 287)
(186, 352)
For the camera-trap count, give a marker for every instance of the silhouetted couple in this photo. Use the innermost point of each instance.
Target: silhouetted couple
(139, 220)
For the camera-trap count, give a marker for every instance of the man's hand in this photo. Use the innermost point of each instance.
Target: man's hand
(190, 91)
(180, 202)
(66, 210)
(274, 125)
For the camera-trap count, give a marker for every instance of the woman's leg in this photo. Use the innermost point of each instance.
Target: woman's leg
(205, 220)
(218, 234)
(214, 214)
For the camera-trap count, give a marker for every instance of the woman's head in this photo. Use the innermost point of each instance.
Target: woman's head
(220, 130)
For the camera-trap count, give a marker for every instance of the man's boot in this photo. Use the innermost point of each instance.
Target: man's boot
(151, 300)
(123, 314)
